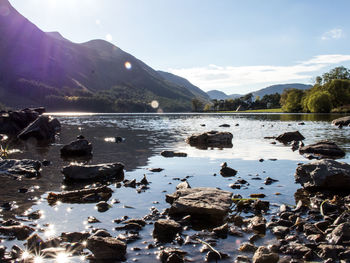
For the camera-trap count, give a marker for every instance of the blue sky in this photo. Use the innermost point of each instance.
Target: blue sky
(233, 46)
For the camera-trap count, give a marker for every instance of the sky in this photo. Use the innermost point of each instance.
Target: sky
(236, 46)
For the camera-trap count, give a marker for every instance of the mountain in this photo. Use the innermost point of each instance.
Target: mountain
(38, 68)
(184, 83)
(279, 88)
(217, 95)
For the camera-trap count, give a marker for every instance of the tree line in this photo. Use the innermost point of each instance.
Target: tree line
(330, 93)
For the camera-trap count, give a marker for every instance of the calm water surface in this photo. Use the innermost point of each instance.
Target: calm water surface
(145, 137)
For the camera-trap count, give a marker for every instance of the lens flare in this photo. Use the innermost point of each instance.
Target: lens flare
(25, 255)
(127, 65)
(62, 258)
(38, 259)
(154, 104)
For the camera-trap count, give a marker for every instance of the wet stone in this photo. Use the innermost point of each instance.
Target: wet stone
(166, 229)
(264, 255)
(107, 248)
(247, 247)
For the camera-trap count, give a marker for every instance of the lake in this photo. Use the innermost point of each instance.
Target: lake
(145, 136)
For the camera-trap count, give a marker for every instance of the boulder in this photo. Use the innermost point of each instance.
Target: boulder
(81, 172)
(211, 139)
(12, 122)
(226, 171)
(323, 150)
(264, 255)
(26, 167)
(165, 230)
(43, 128)
(344, 121)
(208, 204)
(106, 248)
(324, 174)
(20, 232)
(288, 137)
(80, 147)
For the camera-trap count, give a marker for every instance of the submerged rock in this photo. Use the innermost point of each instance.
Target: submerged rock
(326, 174)
(106, 248)
(26, 167)
(81, 172)
(82, 196)
(211, 139)
(323, 149)
(288, 137)
(209, 204)
(344, 121)
(43, 128)
(173, 154)
(80, 147)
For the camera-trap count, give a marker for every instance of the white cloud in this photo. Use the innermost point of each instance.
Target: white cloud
(229, 77)
(334, 33)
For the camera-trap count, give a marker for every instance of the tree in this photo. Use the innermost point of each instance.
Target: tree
(207, 107)
(291, 100)
(319, 102)
(197, 104)
(336, 73)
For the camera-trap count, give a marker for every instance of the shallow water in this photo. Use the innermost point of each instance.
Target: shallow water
(146, 135)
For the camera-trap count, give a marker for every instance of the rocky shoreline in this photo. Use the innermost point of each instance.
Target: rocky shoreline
(316, 229)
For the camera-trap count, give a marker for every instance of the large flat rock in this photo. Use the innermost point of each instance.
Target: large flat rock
(324, 174)
(323, 150)
(81, 172)
(211, 139)
(26, 167)
(209, 203)
(344, 121)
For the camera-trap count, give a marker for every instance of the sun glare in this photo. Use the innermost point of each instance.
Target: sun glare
(127, 65)
(38, 259)
(62, 258)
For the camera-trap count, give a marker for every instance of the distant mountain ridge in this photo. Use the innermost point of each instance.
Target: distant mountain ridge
(36, 65)
(278, 88)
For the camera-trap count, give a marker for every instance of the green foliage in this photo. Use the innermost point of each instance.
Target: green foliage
(291, 100)
(336, 73)
(318, 102)
(208, 107)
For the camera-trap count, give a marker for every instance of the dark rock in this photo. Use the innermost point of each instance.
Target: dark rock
(227, 172)
(288, 137)
(90, 195)
(173, 154)
(106, 248)
(207, 203)
(242, 259)
(225, 125)
(323, 149)
(12, 167)
(280, 231)
(258, 225)
(34, 243)
(155, 170)
(213, 256)
(340, 234)
(211, 139)
(167, 253)
(264, 255)
(260, 205)
(144, 180)
(20, 232)
(34, 215)
(269, 181)
(101, 233)
(130, 183)
(45, 163)
(247, 247)
(80, 172)
(80, 137)
(130, 226)
(102, 206)
(344, 121)
(166, 229)
(43, 128)
(73, 237)
(330, 251)
(235, 186)
(12, 122)
(22, 190)
(2, 252)
(93, 220)
(221, 231)
(77, 148)
(324, 174)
